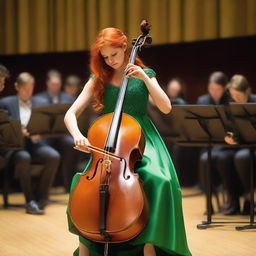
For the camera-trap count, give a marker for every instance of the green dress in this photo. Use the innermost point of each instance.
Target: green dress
(165, 227)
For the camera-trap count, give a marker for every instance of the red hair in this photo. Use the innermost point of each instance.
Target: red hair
(102, 73)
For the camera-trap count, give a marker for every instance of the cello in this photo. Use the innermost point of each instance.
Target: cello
(108, 203)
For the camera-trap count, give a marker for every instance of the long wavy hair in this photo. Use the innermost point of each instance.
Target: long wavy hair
(102, 73)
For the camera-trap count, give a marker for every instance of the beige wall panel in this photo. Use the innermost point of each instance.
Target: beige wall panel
(251, 17)
(28, 26)
(23, 25)
(39, 35)
(70, 25)
(59, 25)
(79, 25)
(175, 21)
(157, 17)
(209, 19)
(193, 25)
(135, 15)
(92, 25)
(119, 8)
(232, 18)
(9, 27)
(106, 14)
(2, 28)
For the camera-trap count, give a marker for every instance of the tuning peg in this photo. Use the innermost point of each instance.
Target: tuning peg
(134, 41)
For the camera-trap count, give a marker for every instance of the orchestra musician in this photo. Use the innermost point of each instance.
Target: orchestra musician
(164, 233)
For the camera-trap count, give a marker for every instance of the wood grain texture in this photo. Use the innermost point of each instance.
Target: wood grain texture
(28, 235)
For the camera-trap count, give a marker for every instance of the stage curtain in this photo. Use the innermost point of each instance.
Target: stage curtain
(36, 26)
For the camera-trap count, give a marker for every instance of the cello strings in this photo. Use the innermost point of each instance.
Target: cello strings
(106, 249)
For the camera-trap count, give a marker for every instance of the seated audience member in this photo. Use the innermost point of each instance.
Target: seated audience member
(176, 91)
(64, 144)
(217, 93)
(53, 93)
(72, 85)
(35, 151)
(240, 92)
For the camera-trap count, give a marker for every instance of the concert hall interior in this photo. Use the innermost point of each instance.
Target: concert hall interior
(192, 94)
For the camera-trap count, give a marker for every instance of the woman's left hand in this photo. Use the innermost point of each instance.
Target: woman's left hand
(135, 71)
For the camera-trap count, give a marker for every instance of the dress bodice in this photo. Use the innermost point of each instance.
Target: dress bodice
(136, 97)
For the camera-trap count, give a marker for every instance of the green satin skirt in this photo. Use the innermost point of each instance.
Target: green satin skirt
(165, 228)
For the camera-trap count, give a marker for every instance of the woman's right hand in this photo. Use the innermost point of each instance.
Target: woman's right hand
(82, 143)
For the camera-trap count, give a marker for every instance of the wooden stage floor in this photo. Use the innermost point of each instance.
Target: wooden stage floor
(29, 235)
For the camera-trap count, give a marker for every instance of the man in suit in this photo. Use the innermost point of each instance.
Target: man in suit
(64, 145)
(53, 93)
(35, 151)
(73, 85)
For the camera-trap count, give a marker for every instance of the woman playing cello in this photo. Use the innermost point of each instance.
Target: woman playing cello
(164, 233)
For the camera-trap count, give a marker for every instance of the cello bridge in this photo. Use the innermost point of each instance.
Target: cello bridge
(107, 165)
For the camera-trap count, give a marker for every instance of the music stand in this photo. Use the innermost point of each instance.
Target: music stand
(10, 139)
(244, 116)
(202, 126)
(199, 124)
(163, 122)
(10, 133)
(48, 121)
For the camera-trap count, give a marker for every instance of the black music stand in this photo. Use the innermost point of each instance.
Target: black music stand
(10, 133)
(11, 138)
(202, 126)
(199, 124)
(48, 121)
(244, 116)
(169, 129)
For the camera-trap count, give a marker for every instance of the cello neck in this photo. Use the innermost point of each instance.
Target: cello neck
(116, 121)
(111, 141)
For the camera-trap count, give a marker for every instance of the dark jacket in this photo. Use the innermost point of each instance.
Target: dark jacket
(178, 101)
(252, 98)
(11, 104)
(63, 97)
(230, 124)
(206, 99)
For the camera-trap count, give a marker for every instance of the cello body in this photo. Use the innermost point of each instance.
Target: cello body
(127, 208)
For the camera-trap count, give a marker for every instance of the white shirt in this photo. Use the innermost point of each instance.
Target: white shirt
(55, 98)
(25, 111)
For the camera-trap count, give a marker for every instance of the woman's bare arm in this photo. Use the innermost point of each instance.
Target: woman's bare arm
(156, 92)
(158, 95)
(74, 112)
